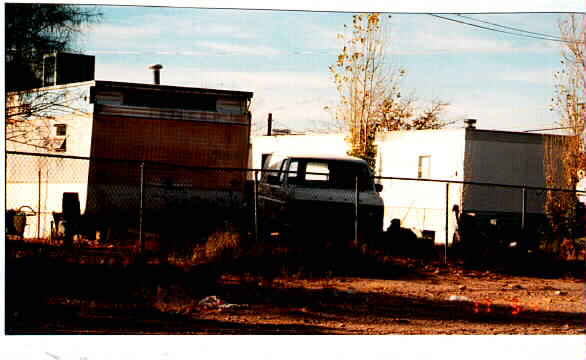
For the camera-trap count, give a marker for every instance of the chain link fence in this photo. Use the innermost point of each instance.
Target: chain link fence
(492, 215)
(163, 208)
(135, 204)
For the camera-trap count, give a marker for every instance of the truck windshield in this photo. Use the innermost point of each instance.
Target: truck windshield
(337, 174)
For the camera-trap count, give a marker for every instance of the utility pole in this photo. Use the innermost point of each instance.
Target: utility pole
(270, 125)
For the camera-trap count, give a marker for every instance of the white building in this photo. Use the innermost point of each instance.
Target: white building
(466, 154)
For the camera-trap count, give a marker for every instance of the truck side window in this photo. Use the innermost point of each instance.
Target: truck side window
(292, 171)
(282, 171)
(274, 168)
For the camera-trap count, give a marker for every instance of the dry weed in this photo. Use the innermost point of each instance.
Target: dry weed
(223, 246)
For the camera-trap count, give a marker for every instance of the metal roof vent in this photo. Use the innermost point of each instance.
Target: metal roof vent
(470, 123)
(156, 68)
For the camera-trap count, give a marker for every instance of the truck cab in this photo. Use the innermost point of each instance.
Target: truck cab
(305, 195)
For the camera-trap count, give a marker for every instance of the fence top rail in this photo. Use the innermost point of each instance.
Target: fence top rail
(255, 170)
(479, 183)
(133, 161)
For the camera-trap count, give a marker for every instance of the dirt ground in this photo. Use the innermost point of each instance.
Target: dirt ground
(444, 302)
(412, 297)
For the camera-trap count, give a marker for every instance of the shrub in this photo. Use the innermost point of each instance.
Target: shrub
(223, 246)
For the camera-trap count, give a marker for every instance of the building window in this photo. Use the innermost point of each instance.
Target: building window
(61, 132)
(60, 129)
(423, 171)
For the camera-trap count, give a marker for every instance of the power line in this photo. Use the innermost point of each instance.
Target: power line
(493, 29)
(510, 28)
(500, 31)
(558, 128)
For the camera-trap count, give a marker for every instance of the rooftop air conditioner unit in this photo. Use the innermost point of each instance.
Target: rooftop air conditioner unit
(63, 68)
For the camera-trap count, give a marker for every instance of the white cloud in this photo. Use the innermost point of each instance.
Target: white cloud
(238, 49)
(434, 42)
(155, 32)
(501, 112)
(196, 23)
(112, 32)
(324, 38)
(422, 35)
(236, 32)
(543, 77)
(113, 52)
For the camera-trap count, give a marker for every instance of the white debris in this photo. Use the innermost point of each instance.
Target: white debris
(351, 291)
(214, 302)
(232, 306)
(458, 298)
(211, 301)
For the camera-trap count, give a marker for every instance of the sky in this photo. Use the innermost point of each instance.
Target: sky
(502, 80)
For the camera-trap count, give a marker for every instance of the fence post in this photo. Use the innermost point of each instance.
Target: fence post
(141, 210)
(39, 210)
(523, 208)
(447, 222)
(356, 203)
(255, 201)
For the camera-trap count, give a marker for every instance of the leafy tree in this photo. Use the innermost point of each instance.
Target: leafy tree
(33, 30)
(403, 116)
(370, 96)
(563, 167)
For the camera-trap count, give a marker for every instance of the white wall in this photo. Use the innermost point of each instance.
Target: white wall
(330, 144)
(39, 182)
(57, 175)
(72, 108)
(51, 201)
(421, 205)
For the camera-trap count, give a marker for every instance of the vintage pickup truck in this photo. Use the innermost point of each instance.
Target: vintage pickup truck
(308, 196)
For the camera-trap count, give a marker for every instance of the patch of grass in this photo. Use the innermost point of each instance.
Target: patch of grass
(222, 247)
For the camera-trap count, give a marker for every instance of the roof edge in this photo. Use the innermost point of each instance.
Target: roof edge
(128, 85)
(172, 88)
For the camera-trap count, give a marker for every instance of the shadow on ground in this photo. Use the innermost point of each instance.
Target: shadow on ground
(46, 295)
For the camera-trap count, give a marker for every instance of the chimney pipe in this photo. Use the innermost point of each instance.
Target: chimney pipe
(270, 125)
(156, 68)
(470, 123)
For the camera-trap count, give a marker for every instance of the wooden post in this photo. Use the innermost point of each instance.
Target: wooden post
(447, 222)
(270, 125)
(38, 210)
(524, 208)
(140, 244)
(356, 205)
(255, 206)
